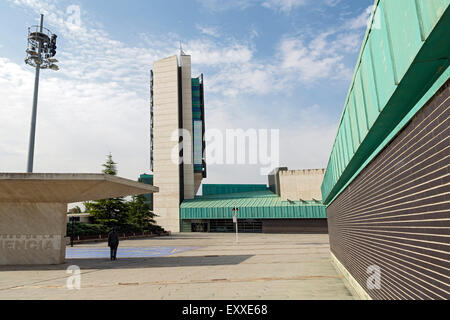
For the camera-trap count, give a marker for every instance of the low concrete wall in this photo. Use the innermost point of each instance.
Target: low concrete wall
(350, 282)
(32, 233)
(301, 184)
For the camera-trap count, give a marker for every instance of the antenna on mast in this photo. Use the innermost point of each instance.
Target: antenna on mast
(181, 50)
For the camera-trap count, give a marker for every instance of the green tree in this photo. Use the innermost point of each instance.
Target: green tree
(110, 166)
(110, 212)
(139, 212)
(76, 209)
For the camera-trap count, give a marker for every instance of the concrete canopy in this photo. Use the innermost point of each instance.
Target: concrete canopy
(66, 187)
(33, 211)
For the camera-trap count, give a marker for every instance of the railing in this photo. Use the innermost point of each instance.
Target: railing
(122, 236)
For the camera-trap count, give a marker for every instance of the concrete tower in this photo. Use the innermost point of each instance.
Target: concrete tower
(177, 132)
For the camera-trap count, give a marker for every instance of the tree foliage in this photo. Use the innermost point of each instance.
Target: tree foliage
(132, 215)
(109, 212)
(110, 166)
(139, 212)
(75, 209)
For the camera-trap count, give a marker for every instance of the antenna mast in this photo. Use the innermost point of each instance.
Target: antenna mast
(40, 51)
(181, 50)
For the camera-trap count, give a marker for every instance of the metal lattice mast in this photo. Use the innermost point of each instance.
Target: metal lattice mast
(45, 42)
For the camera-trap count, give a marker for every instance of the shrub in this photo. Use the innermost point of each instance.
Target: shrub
(84, 229)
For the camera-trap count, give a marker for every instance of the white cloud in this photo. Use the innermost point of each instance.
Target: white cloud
(220, 5)
(209, 31)
(210, 53)
(278, 5)
(247, 78)
(306, 136)
(312, 61)
(332, 3)
(360, 21)
(98, 102)
(254, 33)
(347, 42)
(283, 5)
(236, 70)
(233, 68)
(323, 56)
(78, 123)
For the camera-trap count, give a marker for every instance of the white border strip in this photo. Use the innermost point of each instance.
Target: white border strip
(350, 282)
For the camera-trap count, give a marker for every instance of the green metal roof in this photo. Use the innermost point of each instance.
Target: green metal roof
(212, 189)
(146, 178)
(252, 205)
(404, 53)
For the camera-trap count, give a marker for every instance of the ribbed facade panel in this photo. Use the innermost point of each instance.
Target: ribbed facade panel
(403, 54)
(214, 189)
(256, 212)
(396, 213)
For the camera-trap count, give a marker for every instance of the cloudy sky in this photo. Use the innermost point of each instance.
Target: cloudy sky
(268, 64)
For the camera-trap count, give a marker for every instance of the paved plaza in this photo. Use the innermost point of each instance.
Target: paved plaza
(193, 266)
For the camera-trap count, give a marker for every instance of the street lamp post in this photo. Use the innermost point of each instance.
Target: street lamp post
(40, 52)
(235, 211)
(72, 220)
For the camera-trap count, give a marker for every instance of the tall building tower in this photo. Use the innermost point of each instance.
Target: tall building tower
(177, 136)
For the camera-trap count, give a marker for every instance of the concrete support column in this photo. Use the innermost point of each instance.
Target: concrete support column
(166, 126)
(32, 233)
(188, 148)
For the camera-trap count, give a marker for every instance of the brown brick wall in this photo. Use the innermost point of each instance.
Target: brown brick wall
(396, 213)
(295, 226)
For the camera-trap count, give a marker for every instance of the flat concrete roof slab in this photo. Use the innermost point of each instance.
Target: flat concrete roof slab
(67, 187)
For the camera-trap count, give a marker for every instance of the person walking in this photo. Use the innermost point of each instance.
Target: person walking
(113, 243)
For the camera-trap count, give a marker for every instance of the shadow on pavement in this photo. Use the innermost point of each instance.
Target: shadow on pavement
(129, 263)
(180, 237)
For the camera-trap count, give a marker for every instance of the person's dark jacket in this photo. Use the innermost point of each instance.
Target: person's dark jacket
(113, 239)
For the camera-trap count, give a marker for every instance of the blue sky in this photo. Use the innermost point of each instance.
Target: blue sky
(269, 64)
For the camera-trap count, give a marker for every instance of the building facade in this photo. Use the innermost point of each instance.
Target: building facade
(177, 136)
(387, 184)
(290, 203)
(179, 166)
(259, 211)
(147, 179)
(297, 184)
